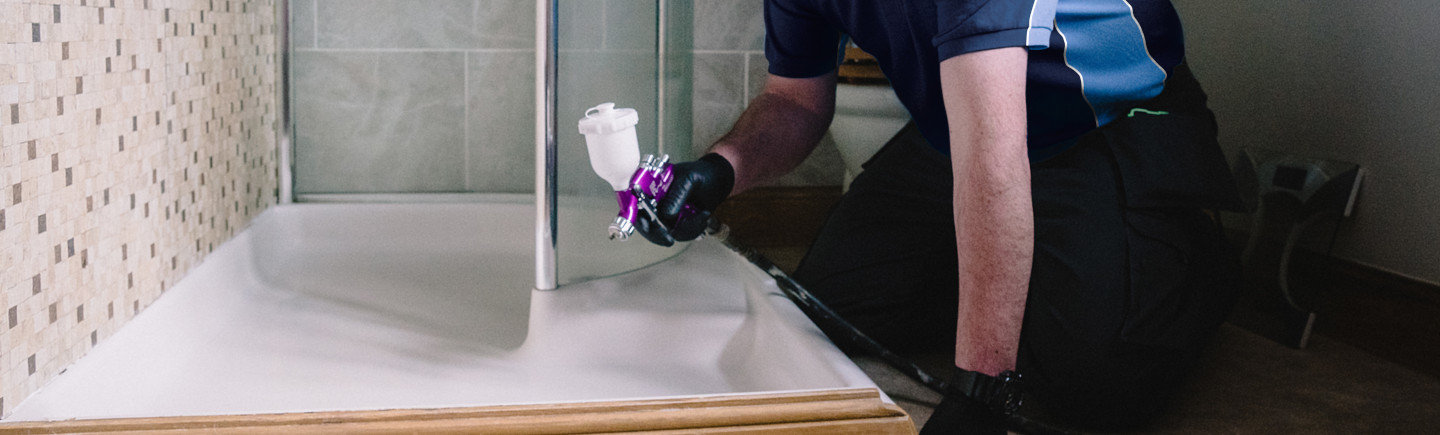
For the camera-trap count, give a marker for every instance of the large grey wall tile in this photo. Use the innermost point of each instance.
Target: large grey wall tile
(580, 26)
(504, 23)
(608, 24)
(717, 96)
(822, 168)
(379, 122)
(729, 25)
(711, 122)
(302, 23)
(630, 24)
(501, 124)
(757, 71)
(679, 25)
(679, 78)
(430, 24)
(719, 78)
(395, 24)
(678, 108)
(586, 79)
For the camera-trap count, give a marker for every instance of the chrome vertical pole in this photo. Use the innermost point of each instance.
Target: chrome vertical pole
(546, 54)
(660, 54)
(284, 147)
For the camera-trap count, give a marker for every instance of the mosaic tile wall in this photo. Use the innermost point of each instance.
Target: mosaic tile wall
(135, 137)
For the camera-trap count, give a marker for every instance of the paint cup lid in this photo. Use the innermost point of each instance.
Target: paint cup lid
(606, 119)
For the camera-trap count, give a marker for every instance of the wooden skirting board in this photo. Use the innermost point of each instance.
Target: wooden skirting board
(1380, 312)
(850, 411)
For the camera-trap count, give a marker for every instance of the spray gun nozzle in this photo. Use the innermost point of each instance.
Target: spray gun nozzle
(620, 228)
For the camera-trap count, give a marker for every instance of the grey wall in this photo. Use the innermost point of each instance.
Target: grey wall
(607, 54)
(437, 95)
(413, 96)
(1354, 81)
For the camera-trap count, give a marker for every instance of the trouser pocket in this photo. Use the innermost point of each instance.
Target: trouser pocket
(1183, 278)
(1167, 153)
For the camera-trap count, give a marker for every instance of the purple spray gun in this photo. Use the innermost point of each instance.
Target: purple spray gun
(614, 152)
(650, 183)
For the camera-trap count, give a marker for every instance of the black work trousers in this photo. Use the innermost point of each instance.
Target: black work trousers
(1130, 276)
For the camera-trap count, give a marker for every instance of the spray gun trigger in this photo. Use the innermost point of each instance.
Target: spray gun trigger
(649, 210)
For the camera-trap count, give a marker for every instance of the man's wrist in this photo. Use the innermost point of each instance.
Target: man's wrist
(723, 174)
(1002, 393)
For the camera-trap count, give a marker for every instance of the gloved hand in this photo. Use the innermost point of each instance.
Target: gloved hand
(701, 184)
(960, 413)
(653, 231)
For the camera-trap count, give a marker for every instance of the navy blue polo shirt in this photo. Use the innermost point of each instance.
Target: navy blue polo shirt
(1091, 61)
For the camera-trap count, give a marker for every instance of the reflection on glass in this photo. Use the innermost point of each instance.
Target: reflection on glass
(611, 52)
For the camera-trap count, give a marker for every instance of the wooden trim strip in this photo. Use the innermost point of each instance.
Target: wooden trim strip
(830, 411)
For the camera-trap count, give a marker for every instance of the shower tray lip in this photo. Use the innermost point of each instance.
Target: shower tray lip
(779, 310)
(852, 410)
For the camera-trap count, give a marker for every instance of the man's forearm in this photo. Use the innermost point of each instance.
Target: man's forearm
(778, 129)
(994, 222)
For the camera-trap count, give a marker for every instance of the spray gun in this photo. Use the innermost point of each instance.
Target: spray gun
(614, 153)
(615, 157)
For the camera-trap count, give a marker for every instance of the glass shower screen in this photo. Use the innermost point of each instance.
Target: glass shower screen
(404, 97)
(402, 101)
(635, 54)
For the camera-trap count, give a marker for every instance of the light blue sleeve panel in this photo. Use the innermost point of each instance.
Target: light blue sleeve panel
(965, 26)
(1106, 46)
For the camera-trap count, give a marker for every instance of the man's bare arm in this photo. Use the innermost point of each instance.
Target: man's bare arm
(994, 223)
(779, 129)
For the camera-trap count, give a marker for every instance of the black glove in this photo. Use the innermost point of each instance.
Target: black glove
(959, 414)
(653, 231)
(975, 404)
(701, 184)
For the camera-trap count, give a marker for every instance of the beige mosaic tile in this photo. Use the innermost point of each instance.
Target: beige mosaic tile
(135, 136)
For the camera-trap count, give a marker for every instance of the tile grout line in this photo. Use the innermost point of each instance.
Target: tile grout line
(604, 27)
(744, 81)
(706, 51)
(433, 50)
(465, 100)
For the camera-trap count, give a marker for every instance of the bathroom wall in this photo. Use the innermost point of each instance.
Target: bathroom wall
(1349, 81)
(407, 96)
(438, 96)
(135, 136)
(608, 54)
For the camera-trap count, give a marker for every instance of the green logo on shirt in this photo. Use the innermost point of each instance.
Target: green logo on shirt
(1147, 112)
